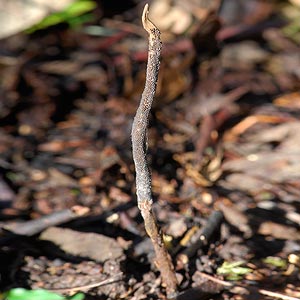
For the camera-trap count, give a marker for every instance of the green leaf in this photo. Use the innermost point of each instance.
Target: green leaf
(75, 192)
(292, 29)
(80, 7)
(233, 270)
(23, 294)
(71, 15)
(275, 261)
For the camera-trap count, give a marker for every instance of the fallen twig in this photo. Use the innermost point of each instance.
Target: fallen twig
(276, 295)
(143, 177)
(86, 287)
(33, 227)
(211, 228)
(260, 291)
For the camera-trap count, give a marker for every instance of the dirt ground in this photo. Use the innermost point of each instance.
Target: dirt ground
(224, 152)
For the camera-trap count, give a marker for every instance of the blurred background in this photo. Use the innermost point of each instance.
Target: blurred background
(224, 131)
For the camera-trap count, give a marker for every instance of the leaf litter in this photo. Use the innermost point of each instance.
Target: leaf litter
(223, 136)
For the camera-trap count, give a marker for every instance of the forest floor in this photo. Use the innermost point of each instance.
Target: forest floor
(224, 152)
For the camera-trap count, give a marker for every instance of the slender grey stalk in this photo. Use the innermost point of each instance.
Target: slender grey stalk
(139, 147)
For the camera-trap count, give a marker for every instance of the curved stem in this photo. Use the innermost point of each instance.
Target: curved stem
(139, 141)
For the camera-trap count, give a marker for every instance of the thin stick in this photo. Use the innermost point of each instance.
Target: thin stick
(276, 295)
(143, 177)
(86, 287)
(32, 227)
(211, 228)
(261, 291)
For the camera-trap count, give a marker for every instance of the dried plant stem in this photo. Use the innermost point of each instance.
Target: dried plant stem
(143, 177)
(260, 291)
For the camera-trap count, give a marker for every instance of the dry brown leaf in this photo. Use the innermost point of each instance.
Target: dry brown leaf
(236, 218)
(295, 2)
(248, 122)
(83, 244)
(170, 17)
(288, 100)
(279, 231)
